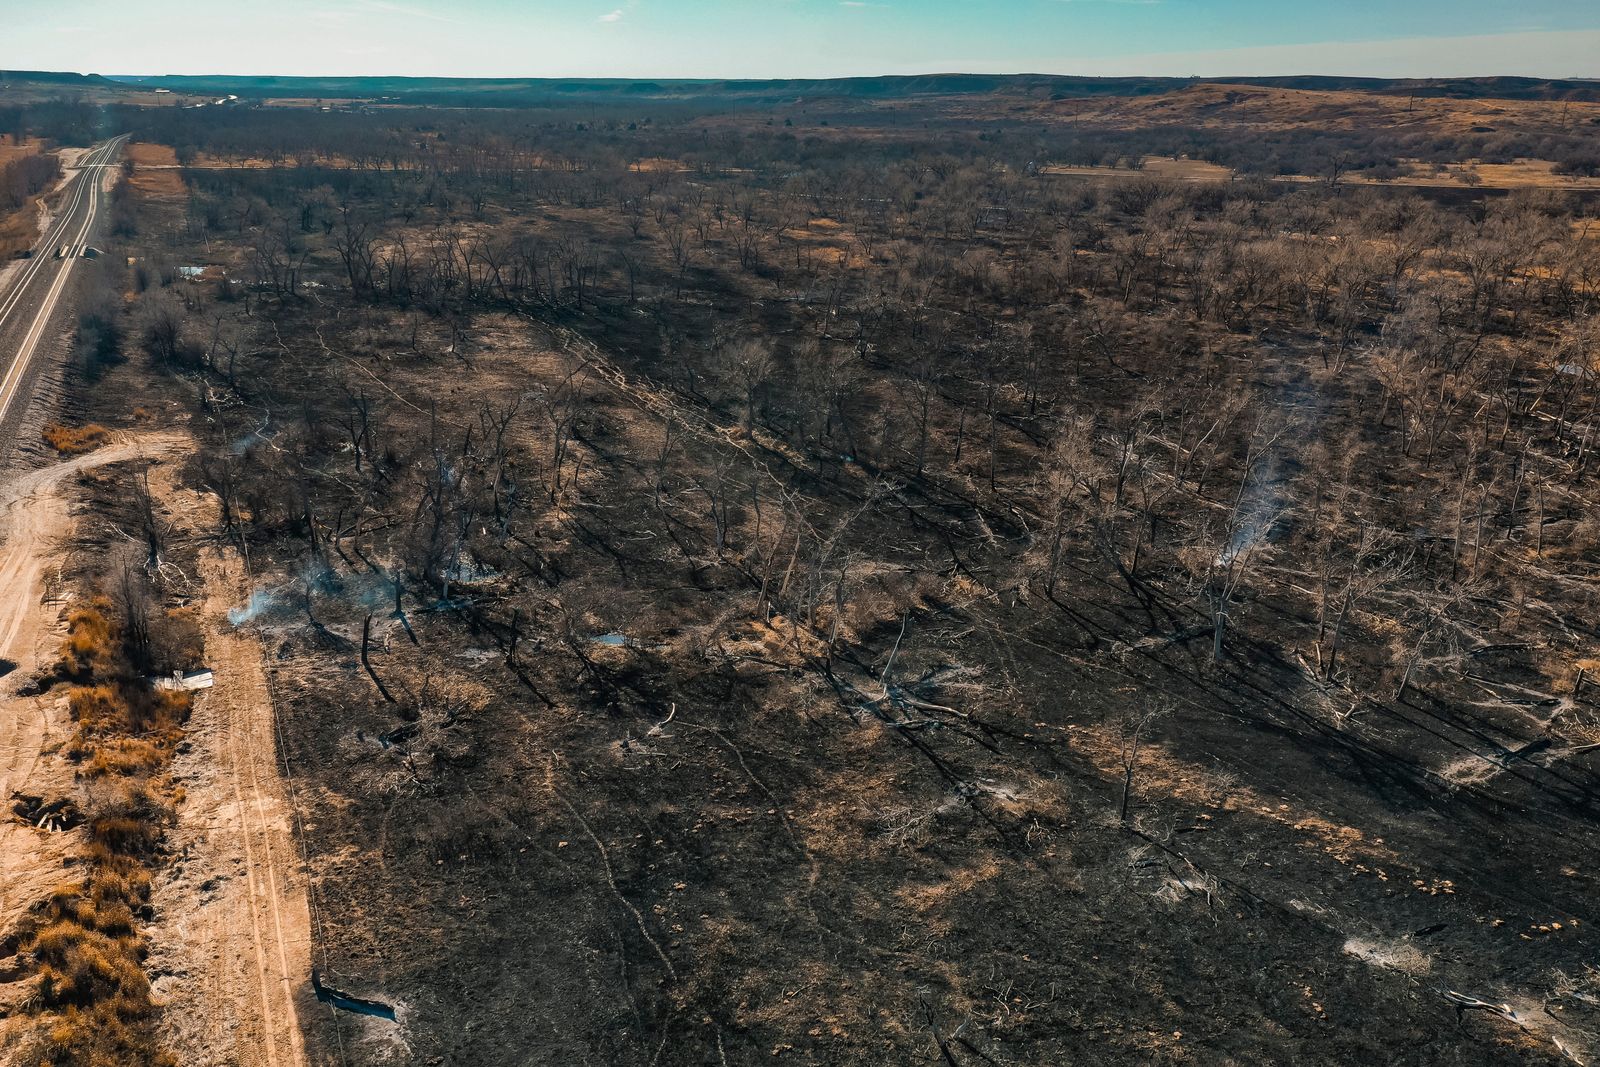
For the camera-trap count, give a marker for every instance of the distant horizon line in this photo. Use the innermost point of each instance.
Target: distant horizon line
(711, 79)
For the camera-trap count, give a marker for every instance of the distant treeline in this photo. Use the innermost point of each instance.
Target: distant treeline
(586, 137)
(64, 121)
(524, 92)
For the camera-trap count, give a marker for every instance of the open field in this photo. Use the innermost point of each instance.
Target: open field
(155, 171)
(1283, 108)
(1520, 174)
(10, 149)
(1178, 170)
(1469, 174)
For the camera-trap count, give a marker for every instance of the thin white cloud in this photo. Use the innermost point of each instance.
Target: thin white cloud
(614, 16)
(387, 8)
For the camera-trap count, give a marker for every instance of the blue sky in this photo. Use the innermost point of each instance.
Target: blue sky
(803, 38)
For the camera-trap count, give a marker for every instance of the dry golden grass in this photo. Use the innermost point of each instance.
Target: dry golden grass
(10, 149)
(659, 165)
(75, 440)
(155, 172)
(124, 730)
(1178, 170)
(1520, 174)
(19, 230)
(89, 647)
(120, 758)
(92, 984)
(308, 101)
(1215, 105)
(94, 1005)
(145, 154)
(1220, 104)
(1159, 771)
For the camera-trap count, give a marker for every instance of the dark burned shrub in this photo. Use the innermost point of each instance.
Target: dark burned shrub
(451, 831)
(1580, 164)
(100, 321)
(163, 337)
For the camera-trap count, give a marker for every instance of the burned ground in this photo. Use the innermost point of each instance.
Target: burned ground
(872, 603)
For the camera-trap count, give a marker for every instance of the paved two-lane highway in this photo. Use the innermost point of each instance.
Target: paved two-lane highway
(28, 306)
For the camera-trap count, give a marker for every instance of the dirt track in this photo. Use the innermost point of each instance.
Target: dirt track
(236, 935)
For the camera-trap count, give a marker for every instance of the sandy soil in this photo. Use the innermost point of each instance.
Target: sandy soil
(233, 949)
(34, 518)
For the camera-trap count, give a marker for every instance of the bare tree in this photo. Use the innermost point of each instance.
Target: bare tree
(1133, 725)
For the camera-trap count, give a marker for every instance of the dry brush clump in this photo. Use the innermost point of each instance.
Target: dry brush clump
(75, 440)
(93, 1004)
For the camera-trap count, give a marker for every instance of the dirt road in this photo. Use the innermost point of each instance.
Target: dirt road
(237, 933)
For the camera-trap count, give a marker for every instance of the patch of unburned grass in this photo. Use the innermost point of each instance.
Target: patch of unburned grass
(94, 1004)
(12, 149)
(89, 648)
(155, 171)
(19, 230)
(75, 440)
